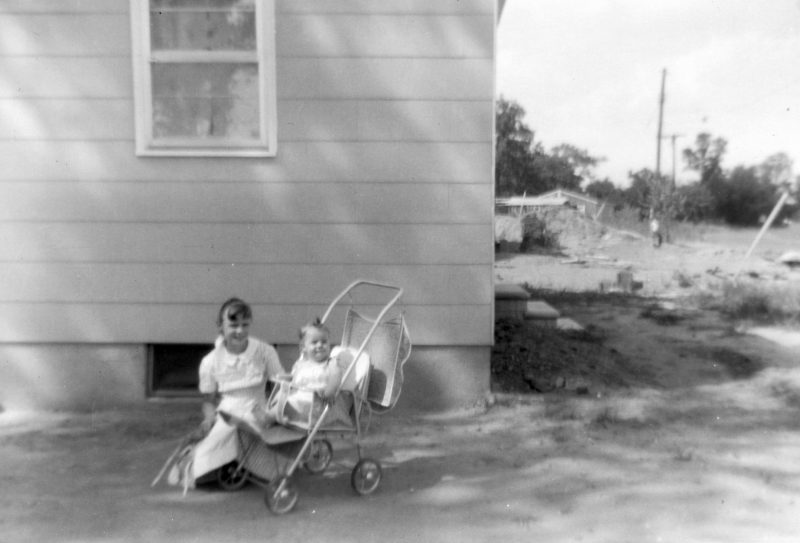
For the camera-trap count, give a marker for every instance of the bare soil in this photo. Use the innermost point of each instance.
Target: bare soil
(659, 421)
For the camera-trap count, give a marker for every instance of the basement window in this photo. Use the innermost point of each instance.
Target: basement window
(204, 77)
(173, 369)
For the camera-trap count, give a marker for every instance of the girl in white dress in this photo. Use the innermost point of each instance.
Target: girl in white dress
(233, 377)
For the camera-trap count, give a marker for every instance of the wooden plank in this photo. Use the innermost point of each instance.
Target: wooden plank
(66, 77)
(75, 119)
(408, 78)
(246, 243)
(300, 120)
(369, 35)
(385, 6)
(281, 6)
(369, 162)
(64, 6)
(340, 203)
(385, 120)
(79, 33)
(263, 283)
(171, 323)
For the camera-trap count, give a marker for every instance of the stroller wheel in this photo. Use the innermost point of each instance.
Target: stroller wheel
(281, 496)
(231, 476)
(319, 456)
(366, 476)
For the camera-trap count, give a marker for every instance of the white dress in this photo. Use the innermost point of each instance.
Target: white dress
(240, 380)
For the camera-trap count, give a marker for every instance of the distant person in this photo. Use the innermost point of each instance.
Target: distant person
(655, 231)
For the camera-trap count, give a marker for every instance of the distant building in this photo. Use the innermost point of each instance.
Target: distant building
(520, 205)
(585, 204)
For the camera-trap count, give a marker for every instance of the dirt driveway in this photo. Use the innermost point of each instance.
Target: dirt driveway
(683, 430)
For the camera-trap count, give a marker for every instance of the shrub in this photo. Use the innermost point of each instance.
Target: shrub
(769, 303)
(536, 234)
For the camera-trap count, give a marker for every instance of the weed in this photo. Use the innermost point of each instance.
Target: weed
(661, 316)
(605, 418)
(767, 303)
(683, 454)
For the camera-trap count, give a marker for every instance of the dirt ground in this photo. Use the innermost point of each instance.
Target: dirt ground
(658, 421)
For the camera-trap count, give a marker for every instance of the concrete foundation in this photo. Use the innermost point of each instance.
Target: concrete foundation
(87, 377)
(71, 376)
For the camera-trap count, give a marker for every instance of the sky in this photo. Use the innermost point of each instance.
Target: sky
(589, 72)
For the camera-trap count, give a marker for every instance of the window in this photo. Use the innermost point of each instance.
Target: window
(204, 77)
(172, 369)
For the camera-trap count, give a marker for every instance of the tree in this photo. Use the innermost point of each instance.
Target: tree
(746, 199)
(776, 170)
(551, 172)
(603, 190)
(706, 157)
(514, 148)
(581, 162)
(693, 203)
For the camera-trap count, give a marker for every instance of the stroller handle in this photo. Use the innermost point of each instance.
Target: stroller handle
(352, 286)
(359, 282)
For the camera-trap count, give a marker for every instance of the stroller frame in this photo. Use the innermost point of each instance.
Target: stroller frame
(316, 452)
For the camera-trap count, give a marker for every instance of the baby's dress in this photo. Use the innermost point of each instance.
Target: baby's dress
(298, 403)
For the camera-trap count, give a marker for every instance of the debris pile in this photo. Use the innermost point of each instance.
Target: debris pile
(527, 358)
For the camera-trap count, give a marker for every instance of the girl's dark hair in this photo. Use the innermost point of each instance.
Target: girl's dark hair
(233, 308)
(316, 324)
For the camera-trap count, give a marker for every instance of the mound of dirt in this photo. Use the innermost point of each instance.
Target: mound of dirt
(528, 358)
(569, 231)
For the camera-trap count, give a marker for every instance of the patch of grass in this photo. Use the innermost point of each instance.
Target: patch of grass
(770, 303)
(661, 316)
(578, 297)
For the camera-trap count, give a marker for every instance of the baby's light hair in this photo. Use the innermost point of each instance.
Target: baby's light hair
(316, 324)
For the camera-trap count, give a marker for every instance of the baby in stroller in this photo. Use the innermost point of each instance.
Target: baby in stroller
(315, 375)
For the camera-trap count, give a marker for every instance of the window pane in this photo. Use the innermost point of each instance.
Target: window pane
(207, 25)
(206, 101)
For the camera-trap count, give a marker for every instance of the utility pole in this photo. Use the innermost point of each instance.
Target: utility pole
(660, 124)
(673, 137)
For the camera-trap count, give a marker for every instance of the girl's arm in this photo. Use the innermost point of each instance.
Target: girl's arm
(209, 408)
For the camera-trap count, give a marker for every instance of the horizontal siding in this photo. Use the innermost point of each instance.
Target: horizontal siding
(194, 323)
(70, 283)
(385, 36)
(296, 161)
(101, 34)
(221, 202)
(282, 6)
(307, 78)
(85, 34)
(299, 244)
(66, 119)
(66, 77)
(385, 6)
(385, 78)
(299, 120)
(384, 171)
(49, 7)
(384, 120)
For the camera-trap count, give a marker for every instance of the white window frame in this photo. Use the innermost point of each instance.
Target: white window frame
(143, 57)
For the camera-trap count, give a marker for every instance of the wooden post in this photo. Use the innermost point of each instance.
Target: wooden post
(768, 222)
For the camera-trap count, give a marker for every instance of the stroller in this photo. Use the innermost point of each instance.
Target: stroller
(373, 352)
